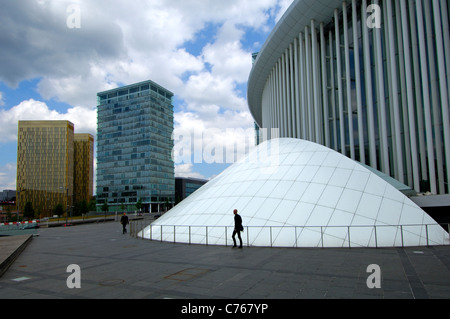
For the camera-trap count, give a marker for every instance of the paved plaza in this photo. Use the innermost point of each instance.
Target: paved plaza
(113, 266)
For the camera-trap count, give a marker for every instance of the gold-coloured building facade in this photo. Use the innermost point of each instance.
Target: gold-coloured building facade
(83, 167)
(48, 153)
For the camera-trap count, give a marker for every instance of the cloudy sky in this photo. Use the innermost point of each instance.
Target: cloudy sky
(55, 55)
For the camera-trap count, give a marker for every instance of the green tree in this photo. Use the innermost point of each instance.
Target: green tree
(8, 213)
(80, 208)
(58, 210)
(92, 206)
(105, 207)
(139, 204)
(167, 204)
(28, 211)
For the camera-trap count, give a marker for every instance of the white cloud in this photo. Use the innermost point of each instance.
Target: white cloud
(283, 6)
(8, 176)
(223, 140)
(84, 119)
(226, 55)
(204, 89)
(185, 170)
(125, 42)
(122, 43)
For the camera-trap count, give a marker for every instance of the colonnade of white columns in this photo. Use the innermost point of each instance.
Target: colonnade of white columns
(377, 95)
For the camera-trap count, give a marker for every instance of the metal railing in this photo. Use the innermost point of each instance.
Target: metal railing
(19, 228)
(298, 236)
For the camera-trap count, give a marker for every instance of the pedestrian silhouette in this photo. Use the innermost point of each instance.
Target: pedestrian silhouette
(237, 228)
(124, 222)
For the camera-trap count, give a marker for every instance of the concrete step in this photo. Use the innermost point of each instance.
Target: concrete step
(10, 249)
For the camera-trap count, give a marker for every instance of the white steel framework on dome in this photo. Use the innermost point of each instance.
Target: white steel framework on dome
(377, 95)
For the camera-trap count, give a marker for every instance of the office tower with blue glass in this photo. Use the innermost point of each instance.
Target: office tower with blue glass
(134, 145)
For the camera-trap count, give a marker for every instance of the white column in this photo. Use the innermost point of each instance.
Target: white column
(280, 98)
(339, 78)
(302, 86)
(443, 85)
(266, 105)
(287, 105)
(348, 82)
(283, 98)
(436, 112)
(309, 99)
(333, 92)
(362, 156)
(297, 90)
(395, 121)
(393, 150)
(288, 94)
(284, 95)
(446, 37)
(274, 100)
(315, 82)
(384, 153)
(274, 97)
(369, 95)
(324, 86)
(404, 106)
(410, 97)
(270, 88)
(426, 98)
(278, 95)
(418, 95)
(292, 92)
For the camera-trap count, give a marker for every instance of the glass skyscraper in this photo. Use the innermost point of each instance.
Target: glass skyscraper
(134, 146)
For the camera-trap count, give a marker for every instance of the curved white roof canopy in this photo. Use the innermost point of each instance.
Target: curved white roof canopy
(295, 193)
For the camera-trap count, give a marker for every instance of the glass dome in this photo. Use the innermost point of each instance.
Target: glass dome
(295, 193)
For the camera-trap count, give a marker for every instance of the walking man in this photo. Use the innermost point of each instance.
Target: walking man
(124, 222)
(237, 228)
